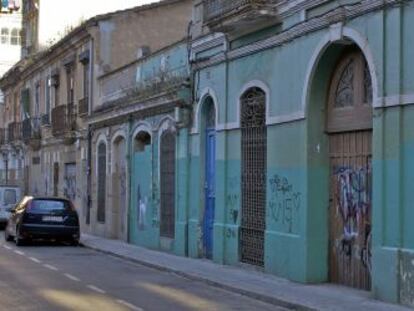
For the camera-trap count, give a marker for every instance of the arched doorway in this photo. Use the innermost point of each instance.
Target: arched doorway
(253, 168)
(119, 188)
(209, 137)
(167, 180)
(349, 129)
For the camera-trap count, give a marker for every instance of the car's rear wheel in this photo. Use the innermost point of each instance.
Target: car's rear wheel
(18, 239)
(74, 242)
(7, 235)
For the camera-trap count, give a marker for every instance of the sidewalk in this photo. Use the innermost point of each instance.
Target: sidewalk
(254, 284)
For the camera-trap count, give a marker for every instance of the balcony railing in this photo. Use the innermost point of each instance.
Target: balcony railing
(83, 106)
(31, 129)
(63, 119)
(14, 131)
(222, 14)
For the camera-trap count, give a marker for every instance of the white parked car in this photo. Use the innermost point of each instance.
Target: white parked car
(9, 196)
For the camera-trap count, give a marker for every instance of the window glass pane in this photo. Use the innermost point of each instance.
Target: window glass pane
(9, 196)
(4, 35)
(49, 205)
(15, 37)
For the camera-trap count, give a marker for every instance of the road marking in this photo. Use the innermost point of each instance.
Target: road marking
(129, 305)
(72, 277)
(7, 247)
(34, 259)
(19, 252)
(96, 289)
(50, 267)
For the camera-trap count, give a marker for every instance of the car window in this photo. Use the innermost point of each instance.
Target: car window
(10, 196)
(48, 205)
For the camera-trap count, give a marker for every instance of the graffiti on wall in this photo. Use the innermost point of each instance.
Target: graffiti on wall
(284, 203)
(233, 199)
(353, 207)
(141, 209)
(70, 181)
(230, 233)
(155, 205)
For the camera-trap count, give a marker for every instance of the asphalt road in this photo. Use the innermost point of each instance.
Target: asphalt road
(47, 276)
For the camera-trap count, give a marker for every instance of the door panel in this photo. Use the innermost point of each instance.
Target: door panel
(350, 208)
(140, 217)
(210, 196)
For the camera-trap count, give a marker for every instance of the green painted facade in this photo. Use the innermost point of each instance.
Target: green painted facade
(295, 75)
(296, 240)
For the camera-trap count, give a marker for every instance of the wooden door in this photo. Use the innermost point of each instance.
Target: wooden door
(350, 208)
(56, 179)
(349, 126)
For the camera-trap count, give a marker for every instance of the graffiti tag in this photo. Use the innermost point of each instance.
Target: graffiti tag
(284, 202)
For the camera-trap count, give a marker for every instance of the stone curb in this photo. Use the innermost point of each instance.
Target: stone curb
(251, 294)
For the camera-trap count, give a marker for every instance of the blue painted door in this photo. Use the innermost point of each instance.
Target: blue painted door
(209, 190)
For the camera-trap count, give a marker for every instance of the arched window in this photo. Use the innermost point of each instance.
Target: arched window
(167, 176)
(15, 37)
(253, 161)
(4, 36)
(350, 95)
(101, 181)
(209, 112)
(142, 139)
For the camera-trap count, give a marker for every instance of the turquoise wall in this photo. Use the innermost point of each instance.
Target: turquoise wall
(296, 237)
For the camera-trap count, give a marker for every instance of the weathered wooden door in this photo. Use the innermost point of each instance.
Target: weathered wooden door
(253, 167)
(56, 179)
(118, 189)
(101, 195)
(349, 126)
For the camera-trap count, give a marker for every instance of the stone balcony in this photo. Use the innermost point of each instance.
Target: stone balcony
(238, 15)
(31, 132)
(64, 122)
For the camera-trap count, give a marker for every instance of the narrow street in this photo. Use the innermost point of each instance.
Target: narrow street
(60, 277)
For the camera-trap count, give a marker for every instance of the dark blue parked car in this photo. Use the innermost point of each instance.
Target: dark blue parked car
(43, 218)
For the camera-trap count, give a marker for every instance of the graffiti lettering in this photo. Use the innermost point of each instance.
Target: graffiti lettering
(232, 199)
(230, 233)
(353, 204)
(141, 209)
(284, 203)
(155, 205)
